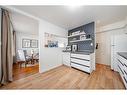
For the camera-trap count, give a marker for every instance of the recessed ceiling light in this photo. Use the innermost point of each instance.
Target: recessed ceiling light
(74, 6)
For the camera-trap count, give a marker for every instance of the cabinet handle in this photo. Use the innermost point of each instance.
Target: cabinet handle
(120, 62)
(125, 65)
(125, 72)
(121, 70)
(125, 79)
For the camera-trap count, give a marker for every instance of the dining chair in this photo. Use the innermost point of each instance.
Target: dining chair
(21, 58)
(36, 57)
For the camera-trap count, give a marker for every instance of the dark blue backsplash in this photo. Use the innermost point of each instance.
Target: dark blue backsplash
(90, 31)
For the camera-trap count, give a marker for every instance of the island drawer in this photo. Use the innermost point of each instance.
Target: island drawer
(81, 56)
(80, 67)
(82, 62)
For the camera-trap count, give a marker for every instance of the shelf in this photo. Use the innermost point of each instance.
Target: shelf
(81, 40)
(76, 35)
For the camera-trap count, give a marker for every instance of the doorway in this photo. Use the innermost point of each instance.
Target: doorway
(26, 58)
(103, 53)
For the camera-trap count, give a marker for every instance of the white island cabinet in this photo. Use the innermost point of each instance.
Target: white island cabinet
(66, 58)
(84, 62)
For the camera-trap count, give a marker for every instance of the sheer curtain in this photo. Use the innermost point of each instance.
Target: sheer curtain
(6, 48)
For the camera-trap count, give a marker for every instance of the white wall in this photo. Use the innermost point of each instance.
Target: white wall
(49, 57)
(22, 35)
(103, 37)
(23, 23)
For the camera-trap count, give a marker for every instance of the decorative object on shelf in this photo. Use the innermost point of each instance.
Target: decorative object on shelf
(82, 37)
(75, 33)
(68, 48)
(74, 39)
(88, 36)
(26, 43)
(74, 48)
(82, 32)
(34, 43)
(56, 41)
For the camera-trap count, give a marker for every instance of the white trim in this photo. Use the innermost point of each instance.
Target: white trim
(22, 12)
(29, 15)
(114, 26)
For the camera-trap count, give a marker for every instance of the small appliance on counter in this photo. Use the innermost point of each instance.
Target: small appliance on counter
(68, 48)
(74, 48)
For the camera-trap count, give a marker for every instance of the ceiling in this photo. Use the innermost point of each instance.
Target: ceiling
(70, 17)
(24, 24)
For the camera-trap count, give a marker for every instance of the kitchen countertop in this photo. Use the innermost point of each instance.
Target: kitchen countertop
(79, 52)
(123, 54)
(66, 51)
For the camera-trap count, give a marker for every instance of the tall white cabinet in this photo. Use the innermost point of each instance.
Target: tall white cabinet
(122, 68)
(118, 44)
(66, 58)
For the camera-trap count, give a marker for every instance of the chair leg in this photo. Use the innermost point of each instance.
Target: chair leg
(20, 65)
(25, 64)
(31, 62)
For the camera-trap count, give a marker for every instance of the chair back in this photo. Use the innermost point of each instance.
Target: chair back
(21, 55)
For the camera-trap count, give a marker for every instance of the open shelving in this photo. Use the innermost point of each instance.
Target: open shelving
(76, 35)
(80, 40)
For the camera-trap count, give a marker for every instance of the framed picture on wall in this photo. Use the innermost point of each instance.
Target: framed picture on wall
(34, 43)
(26, 43)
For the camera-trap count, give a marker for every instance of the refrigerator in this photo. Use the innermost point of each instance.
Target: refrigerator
(118, 44)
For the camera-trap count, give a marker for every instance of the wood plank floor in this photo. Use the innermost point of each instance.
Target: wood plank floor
(21, 72)
(68, 78)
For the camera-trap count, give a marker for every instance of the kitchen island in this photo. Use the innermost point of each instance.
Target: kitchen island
(84, 61)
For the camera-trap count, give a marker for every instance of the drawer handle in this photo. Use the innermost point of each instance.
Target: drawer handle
(80, 58)
(121, 70)
(125, 79)
(79, 64)
(120, 62)
(125, 72)
(125, 65)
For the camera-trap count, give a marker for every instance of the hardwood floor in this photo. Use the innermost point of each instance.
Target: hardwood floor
(68, 78)
(21, 72)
